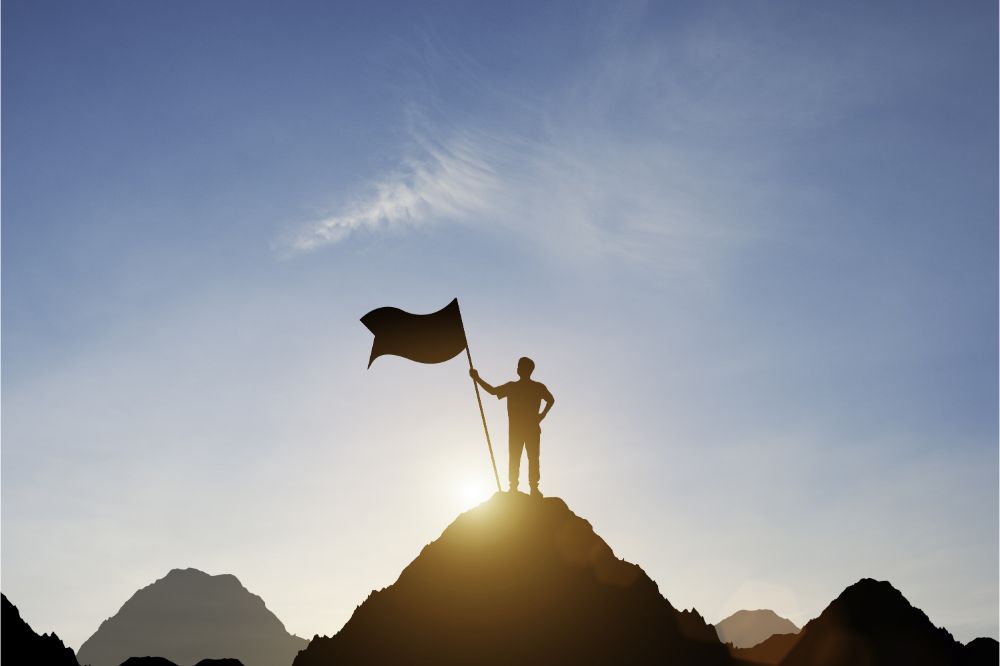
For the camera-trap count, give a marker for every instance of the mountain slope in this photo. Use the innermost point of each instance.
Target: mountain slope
(187, 616)
(519, 580)
(21, 645)
(872, 624)
(747, 628)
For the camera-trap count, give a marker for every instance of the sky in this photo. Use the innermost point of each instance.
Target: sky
(751, 247)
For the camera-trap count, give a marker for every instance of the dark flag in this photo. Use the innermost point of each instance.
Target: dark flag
(429, 338)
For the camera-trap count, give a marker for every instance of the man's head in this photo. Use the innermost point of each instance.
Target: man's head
(525, 366)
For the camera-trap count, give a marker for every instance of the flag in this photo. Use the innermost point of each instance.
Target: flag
(429, 338)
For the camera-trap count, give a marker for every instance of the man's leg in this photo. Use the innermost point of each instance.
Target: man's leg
(532, 443)
(515, 443)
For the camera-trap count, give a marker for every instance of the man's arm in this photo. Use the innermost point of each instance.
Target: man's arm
(549, 401)
(492, 390)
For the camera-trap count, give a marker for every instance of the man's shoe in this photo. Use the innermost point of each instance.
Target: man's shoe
(535, 492)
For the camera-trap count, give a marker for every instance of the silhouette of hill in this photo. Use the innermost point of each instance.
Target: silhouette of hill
(872, 624)
(21, 645)
(770, 651)
(160, 661)
(747, 628)
(189, 615)
(147, 661)
(982, 651)
(519, 580)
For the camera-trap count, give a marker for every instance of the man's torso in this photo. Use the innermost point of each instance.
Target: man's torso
(524, 399)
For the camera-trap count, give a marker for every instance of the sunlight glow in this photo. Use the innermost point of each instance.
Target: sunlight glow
(472, 491)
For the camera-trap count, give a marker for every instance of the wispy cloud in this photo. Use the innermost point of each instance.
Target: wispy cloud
(449, 181)
(575, 196)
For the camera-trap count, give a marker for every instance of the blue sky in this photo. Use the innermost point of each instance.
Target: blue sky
(752, 249)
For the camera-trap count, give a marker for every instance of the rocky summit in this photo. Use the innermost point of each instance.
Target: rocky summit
(519, 580)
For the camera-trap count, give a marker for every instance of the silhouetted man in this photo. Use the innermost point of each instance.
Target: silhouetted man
(524, 397)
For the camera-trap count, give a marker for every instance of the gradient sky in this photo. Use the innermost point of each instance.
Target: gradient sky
(752, 248)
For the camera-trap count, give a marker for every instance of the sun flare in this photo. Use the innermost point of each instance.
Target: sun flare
(472, 491)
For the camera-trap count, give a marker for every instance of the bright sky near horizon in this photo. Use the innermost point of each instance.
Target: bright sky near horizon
(752, 248)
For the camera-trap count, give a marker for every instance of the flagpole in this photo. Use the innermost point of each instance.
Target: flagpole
(482, 414)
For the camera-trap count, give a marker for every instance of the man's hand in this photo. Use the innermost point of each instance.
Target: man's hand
(492, 390)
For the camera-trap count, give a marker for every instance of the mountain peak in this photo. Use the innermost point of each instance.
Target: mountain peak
(746, 628)
(519, 580)
(189, 615)
(869, 604)
(871, 622)
(192, 575)
(871, 588)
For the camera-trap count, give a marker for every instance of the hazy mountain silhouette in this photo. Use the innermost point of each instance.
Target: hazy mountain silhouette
(770, 651)
(519, 580)
(187, 616)
(872, 624)
(19, 644)
(747, 628)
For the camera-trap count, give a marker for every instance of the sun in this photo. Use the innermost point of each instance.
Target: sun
(471, 491)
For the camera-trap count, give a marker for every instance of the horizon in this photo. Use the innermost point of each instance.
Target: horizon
(751, 250)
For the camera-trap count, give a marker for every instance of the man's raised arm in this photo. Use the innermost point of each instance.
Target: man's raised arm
(492, 390)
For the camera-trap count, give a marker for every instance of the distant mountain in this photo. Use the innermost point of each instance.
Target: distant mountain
(187, 616)
(519, 580)
(19, 644)
(872, 624)
(747, 628)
